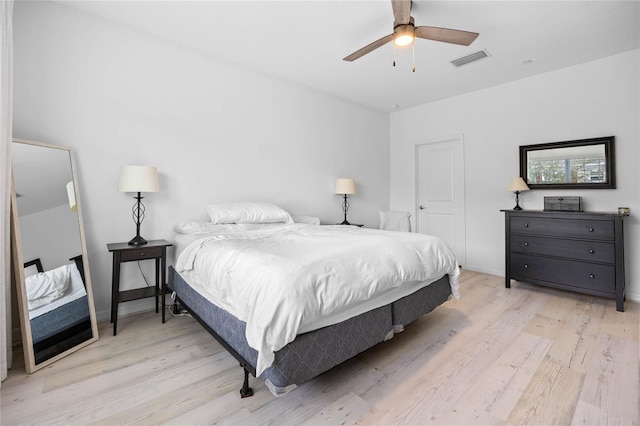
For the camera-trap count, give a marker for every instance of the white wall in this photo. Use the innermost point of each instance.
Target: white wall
(51, 235)
(599, 98)
(216, 132)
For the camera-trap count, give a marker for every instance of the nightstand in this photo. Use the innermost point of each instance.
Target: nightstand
(123, 252)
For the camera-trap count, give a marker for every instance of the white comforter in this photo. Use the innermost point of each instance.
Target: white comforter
(281, 278)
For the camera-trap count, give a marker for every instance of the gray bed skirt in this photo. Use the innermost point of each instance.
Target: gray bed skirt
(313, 353)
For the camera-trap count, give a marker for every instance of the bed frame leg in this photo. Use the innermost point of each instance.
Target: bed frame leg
(246, 391)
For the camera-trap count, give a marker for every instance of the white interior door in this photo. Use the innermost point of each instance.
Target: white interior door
(440, 192)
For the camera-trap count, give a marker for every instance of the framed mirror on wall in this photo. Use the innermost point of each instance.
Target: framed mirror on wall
(53, 283)
(579, 164)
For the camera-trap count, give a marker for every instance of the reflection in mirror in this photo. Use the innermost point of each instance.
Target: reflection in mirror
(55, 300)
(587, 163)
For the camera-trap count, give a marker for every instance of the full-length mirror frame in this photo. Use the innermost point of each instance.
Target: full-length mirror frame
(51, 269)
(579, 164)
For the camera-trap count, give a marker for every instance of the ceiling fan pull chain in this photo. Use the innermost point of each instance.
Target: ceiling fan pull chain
(394, 54)
(413, 50)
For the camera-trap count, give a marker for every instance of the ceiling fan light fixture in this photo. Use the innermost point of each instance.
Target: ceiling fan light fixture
(404, 35)
(403, 40)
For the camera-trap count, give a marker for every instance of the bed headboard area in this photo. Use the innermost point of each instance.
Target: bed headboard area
(30, 265)
(78, 261)
(34, 266)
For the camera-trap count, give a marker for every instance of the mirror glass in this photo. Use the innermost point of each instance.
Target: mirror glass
(587, 163)
(55, 301)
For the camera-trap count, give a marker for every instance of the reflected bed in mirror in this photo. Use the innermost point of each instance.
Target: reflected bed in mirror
(579, 164)
(55, 302)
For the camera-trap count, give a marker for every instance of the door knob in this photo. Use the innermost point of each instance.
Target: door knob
(422, 207)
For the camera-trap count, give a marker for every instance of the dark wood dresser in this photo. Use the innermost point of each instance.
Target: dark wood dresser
(578, 251)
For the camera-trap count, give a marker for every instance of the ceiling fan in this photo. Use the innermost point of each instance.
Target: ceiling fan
(405, 32)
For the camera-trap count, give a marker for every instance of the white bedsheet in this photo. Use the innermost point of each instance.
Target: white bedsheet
(280, 280)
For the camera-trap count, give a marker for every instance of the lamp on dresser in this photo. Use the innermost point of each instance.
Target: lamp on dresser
(517, 185)
(345, 187)
(138, 179)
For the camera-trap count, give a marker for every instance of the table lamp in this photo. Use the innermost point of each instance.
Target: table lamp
(518, 185)
(345, 187)
(138, 179)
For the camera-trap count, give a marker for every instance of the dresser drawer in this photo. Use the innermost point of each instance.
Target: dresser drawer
(581, 275)
(590, 251)
(602, 230)
(141, 254)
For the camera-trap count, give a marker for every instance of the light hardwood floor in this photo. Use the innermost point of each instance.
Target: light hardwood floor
(525, 355)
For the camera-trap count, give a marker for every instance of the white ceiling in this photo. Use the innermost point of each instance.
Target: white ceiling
(304, 41)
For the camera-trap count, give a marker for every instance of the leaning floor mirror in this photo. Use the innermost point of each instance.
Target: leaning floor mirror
(51, 269)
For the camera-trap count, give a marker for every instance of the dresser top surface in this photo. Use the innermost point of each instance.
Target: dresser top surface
(568, 214)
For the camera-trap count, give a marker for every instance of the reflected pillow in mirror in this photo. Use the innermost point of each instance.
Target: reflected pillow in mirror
(248, 212)
(48, 286)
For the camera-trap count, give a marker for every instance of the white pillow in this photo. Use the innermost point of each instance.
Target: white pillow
(310, 220)
(247, 213)
(48, 286)
(192, 227)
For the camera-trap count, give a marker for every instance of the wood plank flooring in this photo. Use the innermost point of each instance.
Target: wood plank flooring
(528, 355)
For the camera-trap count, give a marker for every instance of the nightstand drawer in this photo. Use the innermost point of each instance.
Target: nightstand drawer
(141, 254)
(602, 230)
(592, 251)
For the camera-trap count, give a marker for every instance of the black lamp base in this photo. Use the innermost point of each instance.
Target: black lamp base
(345, 208)
(137, 241)
(517, 207)
(138, 217)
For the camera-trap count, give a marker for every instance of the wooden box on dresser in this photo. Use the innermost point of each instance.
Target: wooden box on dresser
(578, 251)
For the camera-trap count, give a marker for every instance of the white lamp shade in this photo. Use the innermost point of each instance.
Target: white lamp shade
(138, 179)
(518, 184)
(345, 186)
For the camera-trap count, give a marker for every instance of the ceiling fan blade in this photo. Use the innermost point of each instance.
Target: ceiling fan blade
(369, 48)
(446, 35)
(401, 11)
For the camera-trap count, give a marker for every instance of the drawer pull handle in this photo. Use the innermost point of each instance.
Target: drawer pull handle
(590, 229)
(592, 251)
(141, 253)
(526, 244)
(526, 225)
(526, 266)
(592, 276)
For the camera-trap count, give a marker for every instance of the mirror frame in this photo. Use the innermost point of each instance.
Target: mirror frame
(18, 269)
(607, 141)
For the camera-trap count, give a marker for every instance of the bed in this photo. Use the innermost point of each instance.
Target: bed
(59, 318)
(292, 300)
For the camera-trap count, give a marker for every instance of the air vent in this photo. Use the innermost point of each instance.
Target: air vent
(470, 58)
